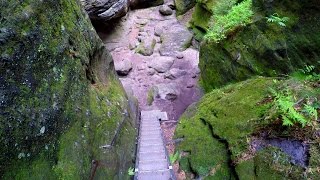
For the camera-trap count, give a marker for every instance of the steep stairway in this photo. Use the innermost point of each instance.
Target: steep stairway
(152, 158)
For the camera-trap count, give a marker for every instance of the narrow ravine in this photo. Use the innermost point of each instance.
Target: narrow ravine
(162, 76)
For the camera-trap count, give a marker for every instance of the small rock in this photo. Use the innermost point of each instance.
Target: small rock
(161, 64)
(158, 31)
(123, 67)
(174, 74)
(165, 10)
(194, 76)
(167, 91)
(146, 46)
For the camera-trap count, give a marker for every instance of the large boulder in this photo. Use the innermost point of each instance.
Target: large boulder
(176, 38)
(264, 48)
(236, 132)
(105, 10)
(63, 111)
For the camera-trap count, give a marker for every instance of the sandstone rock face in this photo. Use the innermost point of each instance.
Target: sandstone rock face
(63, 112)
(263, 48)
(105, 10)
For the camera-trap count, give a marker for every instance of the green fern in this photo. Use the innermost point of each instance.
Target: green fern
(285, 105)
(278, 20)
(131, 171)
(311, 111)
(223, 24)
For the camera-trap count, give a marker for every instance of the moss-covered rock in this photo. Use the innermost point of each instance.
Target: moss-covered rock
(63, 111)
(264, 48)
(182, 6)
(218, 132)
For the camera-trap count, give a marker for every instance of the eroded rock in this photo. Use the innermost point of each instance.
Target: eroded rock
(176, 38)
(123, 67)
(146, 46)
(161, 64)
(165, 10)
(105, 10)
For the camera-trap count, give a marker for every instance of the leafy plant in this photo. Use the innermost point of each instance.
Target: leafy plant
(131, 171)
(289, 111)
(307, 74)
(240, 15)
(278, 20)
(311, 111)
(174, 157)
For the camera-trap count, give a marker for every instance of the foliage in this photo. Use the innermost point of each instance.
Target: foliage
(278, 20)
(290, 111)
(239, 15)
(223, 7)
(131, 171)
(174, 157)
(309, 74)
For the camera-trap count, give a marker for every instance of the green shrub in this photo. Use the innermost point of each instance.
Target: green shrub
(240, 15)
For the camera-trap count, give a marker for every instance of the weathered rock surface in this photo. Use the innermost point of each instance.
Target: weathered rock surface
(239, 125)
(105, 10)
(182, 6)
(176, 38)
(165, 10)
(175, 73)
(146, 46)
(263, 48)
(123, 67)
(161, 64)
(63, 112)
(167, 91)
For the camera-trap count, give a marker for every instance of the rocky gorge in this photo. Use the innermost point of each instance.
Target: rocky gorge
(239, 81)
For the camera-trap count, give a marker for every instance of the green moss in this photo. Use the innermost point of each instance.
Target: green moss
(229, 117)
(237, 105)
(200, 19)
(60, 91)
(262, 48)
(272, 163)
